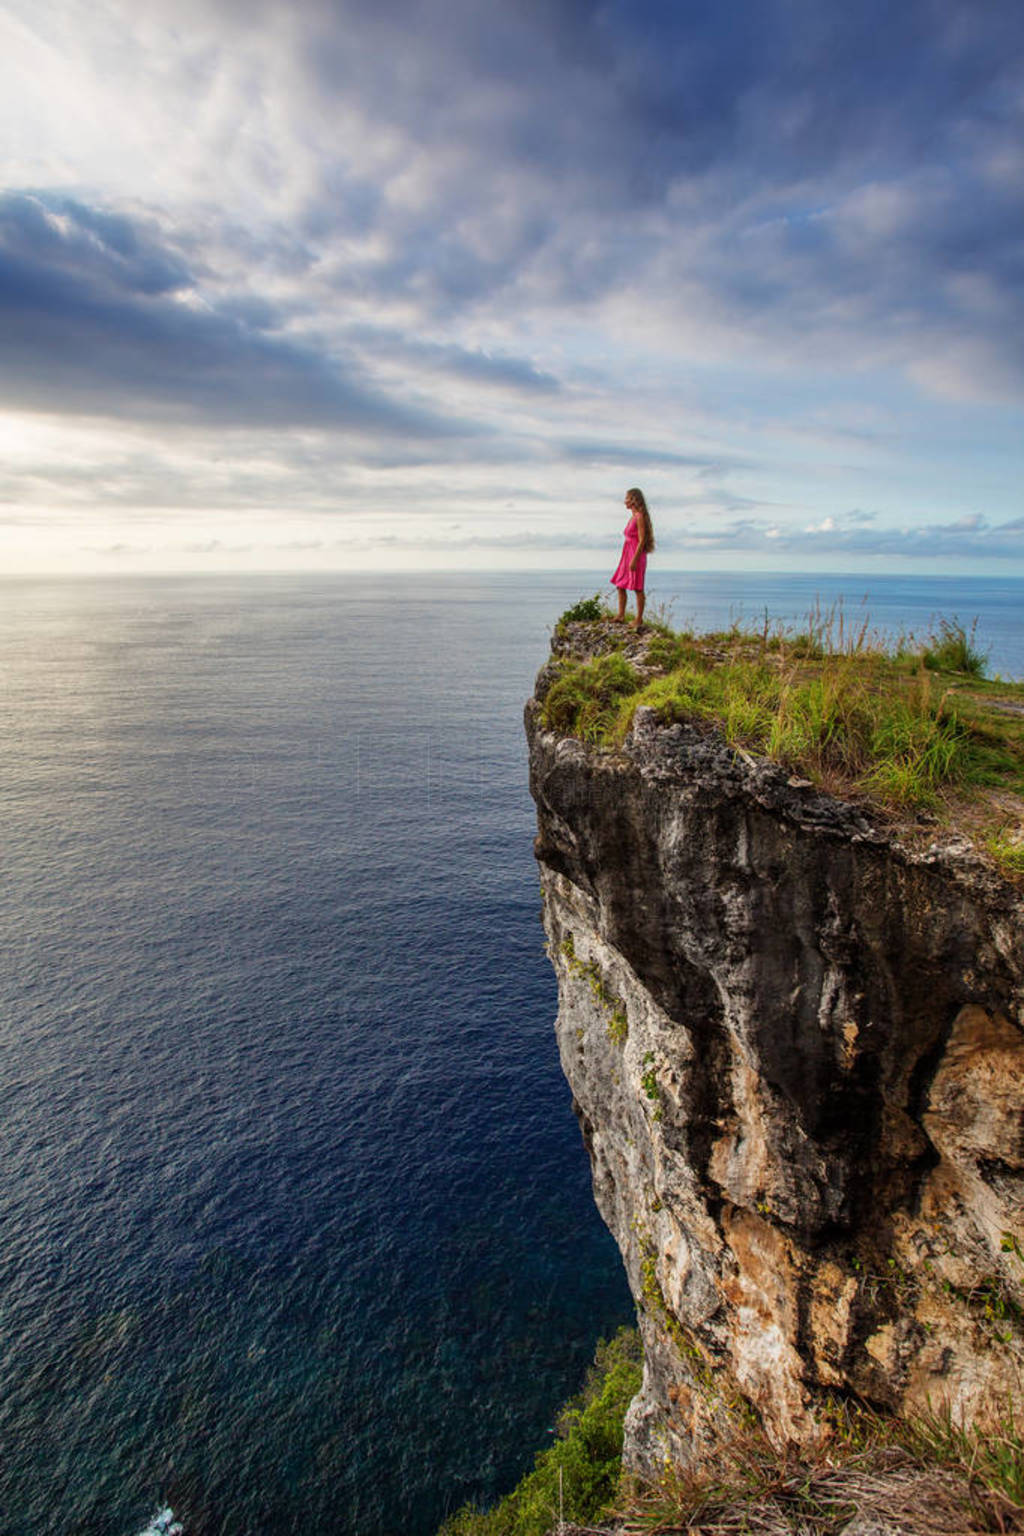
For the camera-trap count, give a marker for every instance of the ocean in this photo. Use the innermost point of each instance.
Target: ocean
(297, 1233)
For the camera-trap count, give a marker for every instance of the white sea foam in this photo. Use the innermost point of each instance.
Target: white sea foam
(163, 1523)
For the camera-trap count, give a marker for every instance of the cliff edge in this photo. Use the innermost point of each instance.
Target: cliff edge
(795, 1042)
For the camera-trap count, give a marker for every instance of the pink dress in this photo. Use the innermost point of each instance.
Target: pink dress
(632, 581)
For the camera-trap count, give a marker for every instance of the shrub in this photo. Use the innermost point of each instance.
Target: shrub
(587, 611)
(587, 1454)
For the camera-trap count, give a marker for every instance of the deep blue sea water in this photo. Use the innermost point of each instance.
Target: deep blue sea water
(295, 1224)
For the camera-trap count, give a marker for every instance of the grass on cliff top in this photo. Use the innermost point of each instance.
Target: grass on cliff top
(905, 723)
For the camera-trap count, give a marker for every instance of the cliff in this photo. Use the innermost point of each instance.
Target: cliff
(793, 1035)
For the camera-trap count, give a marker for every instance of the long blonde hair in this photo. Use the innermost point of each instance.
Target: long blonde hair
(635, 499)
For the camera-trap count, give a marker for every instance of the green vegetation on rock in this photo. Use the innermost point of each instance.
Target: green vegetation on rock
(905, 725)
(578, 1476)
(586, 611)
(617, 1027)
(586, 700)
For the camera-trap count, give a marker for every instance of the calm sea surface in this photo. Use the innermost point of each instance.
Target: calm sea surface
(296, 1232)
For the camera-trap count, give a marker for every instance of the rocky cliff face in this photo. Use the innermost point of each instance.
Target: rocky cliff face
(796, 1049)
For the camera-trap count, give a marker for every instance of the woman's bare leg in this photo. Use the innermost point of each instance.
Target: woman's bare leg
(641, 599)
(622, 606)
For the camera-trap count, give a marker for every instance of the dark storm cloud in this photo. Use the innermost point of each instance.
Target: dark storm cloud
(96, 317)
(635, 92)
(85, 247)
(748, 131)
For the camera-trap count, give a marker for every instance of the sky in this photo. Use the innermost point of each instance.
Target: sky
(391, 284)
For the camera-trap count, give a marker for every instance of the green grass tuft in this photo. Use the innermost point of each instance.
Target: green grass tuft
(584, 700)
(954, 650)
(1008, 855)
(995, 1458)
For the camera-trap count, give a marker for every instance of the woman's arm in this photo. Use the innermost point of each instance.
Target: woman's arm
(638, 530)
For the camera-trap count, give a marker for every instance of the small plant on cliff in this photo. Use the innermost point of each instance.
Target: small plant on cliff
(992, 1302)
(649, 1077)
(618, 1024)
(587, 611)
(1010, 1243)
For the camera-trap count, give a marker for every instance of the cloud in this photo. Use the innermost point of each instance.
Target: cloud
(98, 318)
(967, 538)
(88, 247)
(792, 171)
(789, 174)
(302, 256)
(474, 366)
(635, 454)
(808, 178)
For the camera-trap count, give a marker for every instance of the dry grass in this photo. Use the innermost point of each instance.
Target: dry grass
(900, 1477)
(822, 1503)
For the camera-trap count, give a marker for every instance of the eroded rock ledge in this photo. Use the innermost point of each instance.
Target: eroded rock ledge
(796, 1049)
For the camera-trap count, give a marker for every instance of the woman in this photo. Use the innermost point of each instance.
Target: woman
(631, 569)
